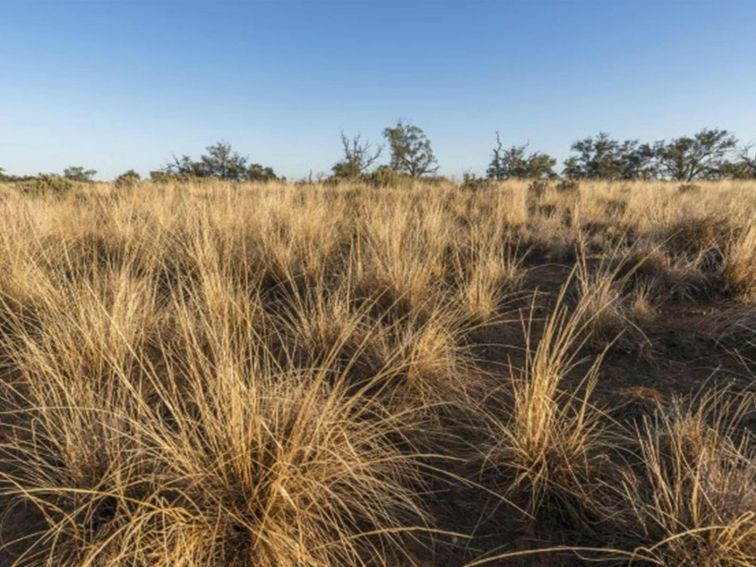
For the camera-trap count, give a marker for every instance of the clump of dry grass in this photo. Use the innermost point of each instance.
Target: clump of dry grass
(665, 276)
(230, 461)
(489, 271)
(400, 255)
(691, 494)
(549, 442)
(613, 309)
(601, 295)
(740, 266)
(425, 361)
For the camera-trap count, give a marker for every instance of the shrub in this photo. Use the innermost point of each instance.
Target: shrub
(386, 176)
(127, 179)
(358, 158)
(514, 162)
(46, 184)
(80, 174)
(219, 162)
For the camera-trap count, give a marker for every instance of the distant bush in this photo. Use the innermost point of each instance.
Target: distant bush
(80, 174)
(385, 176)
(257, 172)
(515, 162)
(220, 162)
(127, 179)
(358, 158)
(161, 176)
(46, 183)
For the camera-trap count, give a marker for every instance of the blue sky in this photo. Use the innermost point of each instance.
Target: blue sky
(124, 84)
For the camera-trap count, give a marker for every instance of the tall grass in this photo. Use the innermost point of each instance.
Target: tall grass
(219, 374)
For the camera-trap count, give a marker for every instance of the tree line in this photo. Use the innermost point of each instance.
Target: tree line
(710, 154)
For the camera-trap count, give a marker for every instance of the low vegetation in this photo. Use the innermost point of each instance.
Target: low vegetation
(215, 367)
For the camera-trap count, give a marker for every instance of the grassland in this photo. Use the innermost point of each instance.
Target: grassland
(204, 374)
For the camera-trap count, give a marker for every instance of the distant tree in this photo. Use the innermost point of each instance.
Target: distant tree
(743, 167)
(3, 177)
(701, 156)
(223, 162)
(515, 162)
(78, 173)
(358, 158)
(497, 168)
(220, 162)
(605, 158)
(411, 152)
(747, 164)
(257, 172)
(183, 167)
(639, 161)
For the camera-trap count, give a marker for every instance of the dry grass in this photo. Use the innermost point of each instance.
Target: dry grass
(690, 494)
(217, 374)
(740, 269)
(549, 443)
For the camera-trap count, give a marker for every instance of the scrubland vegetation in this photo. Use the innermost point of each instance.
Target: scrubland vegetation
(545, 372)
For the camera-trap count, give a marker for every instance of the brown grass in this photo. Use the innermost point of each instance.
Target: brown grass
(690, 495)
(215, 374)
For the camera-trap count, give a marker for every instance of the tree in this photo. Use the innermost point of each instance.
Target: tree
(701, 156)
(639, 161)
(605, 158)
(514, 162)
(182, 167)
(358, 158)
(220, 162)
(78, 173)
(257, 172)
(411, 151)
(744, 166)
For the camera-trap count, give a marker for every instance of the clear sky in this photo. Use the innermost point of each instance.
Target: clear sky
(119, 84)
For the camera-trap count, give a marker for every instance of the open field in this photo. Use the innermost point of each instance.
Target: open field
(209, 374)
